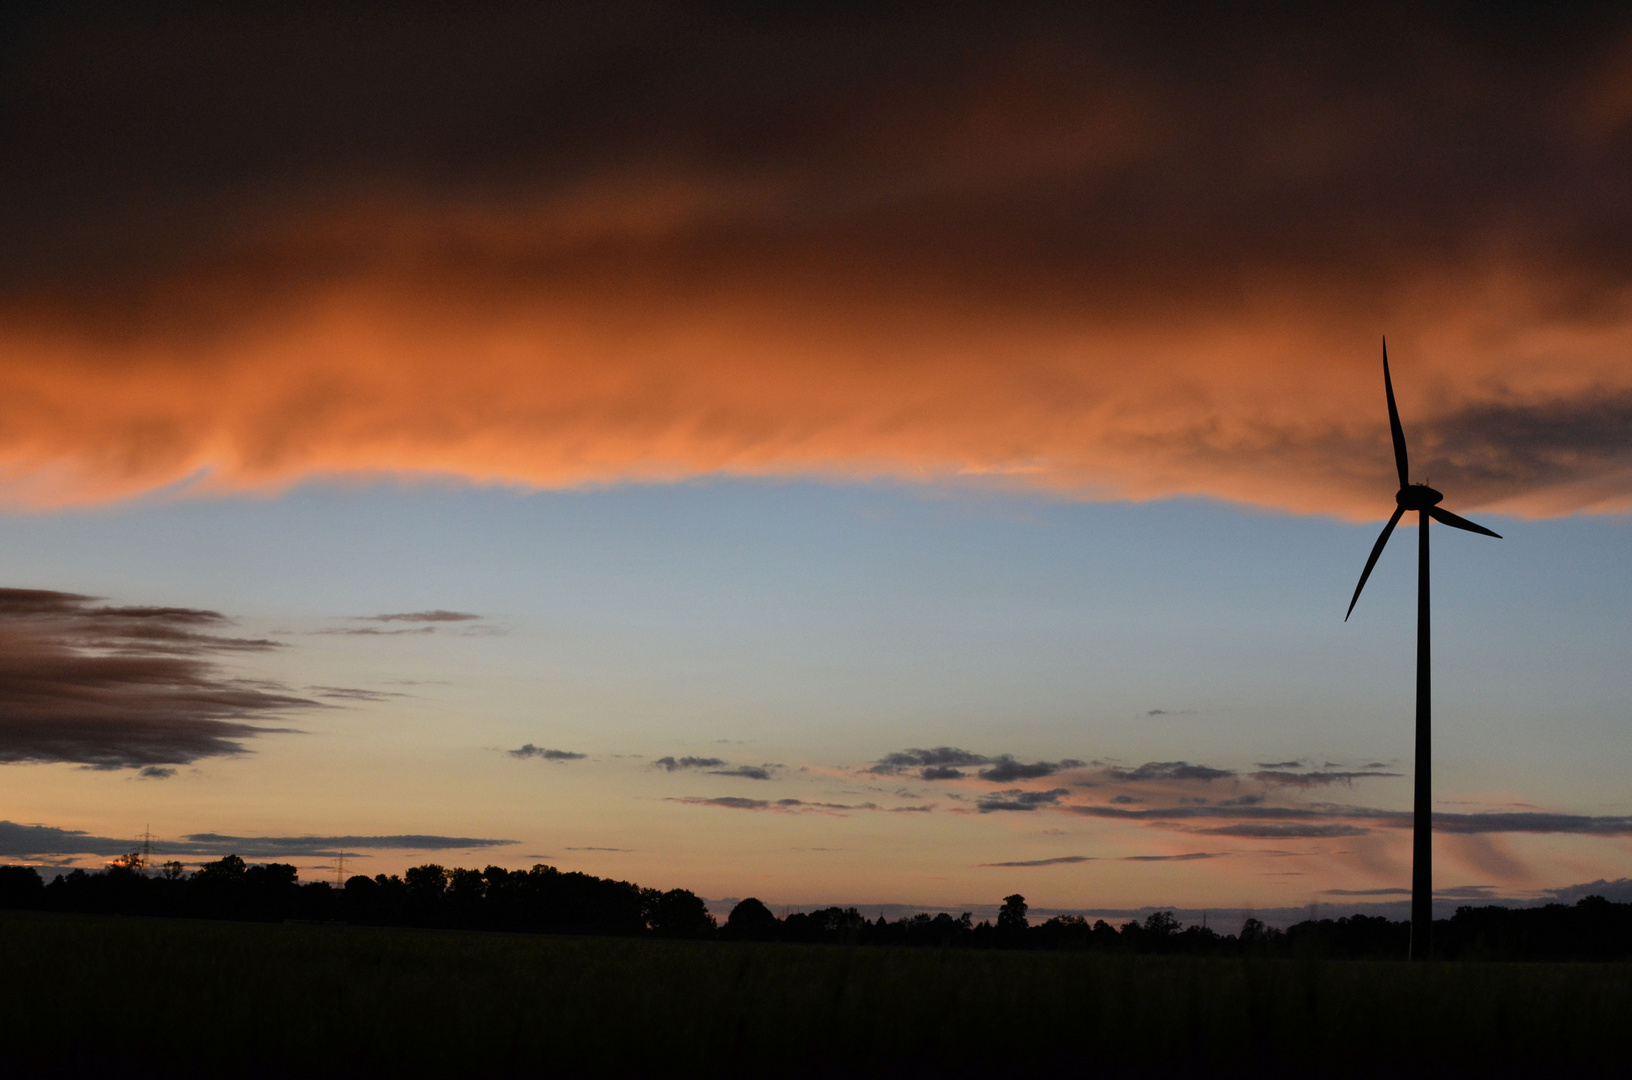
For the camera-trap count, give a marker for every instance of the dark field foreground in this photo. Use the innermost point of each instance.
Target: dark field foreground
(169, 997)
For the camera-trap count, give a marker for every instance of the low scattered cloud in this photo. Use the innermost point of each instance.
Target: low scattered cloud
(528, 750)
(21, 841)
(1017, 799)
(745, 772)
(949, 763)
(1005, 769)
(718, 767)
(1618, 891)
(940, 758)
(1169, 770)
(1188, 856)
(1527, 822)
(1321, 778)
(156, 772)
(126, 687)
(672, 764)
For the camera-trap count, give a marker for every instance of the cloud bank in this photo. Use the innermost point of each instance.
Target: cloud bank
(1098, 252)
(22, 841)
(125, 687)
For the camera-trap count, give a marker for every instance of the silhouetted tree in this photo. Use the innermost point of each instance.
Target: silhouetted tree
(677, 913)
(751, 920)
(21, 887)
(1011, 921)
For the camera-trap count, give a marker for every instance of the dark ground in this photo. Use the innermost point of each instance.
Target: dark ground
(171, 997)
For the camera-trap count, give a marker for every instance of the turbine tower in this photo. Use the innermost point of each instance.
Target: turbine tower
(1425, 501)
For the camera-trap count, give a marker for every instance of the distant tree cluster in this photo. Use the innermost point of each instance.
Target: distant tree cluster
(542, 899)
(546, 900)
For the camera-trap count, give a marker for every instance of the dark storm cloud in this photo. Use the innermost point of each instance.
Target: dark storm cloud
(528, 750)
(30, 840)
(1222, 115)
(1016, 799)
(1055, 179)
(125, 687)
(1508, 446)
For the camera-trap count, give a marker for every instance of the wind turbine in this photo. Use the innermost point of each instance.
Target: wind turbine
(1425, 501)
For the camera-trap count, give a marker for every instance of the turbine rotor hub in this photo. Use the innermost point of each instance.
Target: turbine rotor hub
(1417, 497)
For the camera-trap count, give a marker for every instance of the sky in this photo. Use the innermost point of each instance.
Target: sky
(836, 456)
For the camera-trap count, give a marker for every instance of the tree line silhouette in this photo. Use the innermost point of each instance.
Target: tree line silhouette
(547, 900)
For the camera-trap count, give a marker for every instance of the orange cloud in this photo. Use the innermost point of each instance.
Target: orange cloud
(1095, 272)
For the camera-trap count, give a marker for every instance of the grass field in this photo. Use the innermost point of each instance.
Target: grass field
(195, 998)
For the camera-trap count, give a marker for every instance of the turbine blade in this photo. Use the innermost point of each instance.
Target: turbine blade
(1377, 549)
(1439, 513)
(1402, 462)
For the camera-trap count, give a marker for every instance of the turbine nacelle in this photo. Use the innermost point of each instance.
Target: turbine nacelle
(1417, 497)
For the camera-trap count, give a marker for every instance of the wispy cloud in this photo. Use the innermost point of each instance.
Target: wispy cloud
(125, 687)
(1060, 860)
(352, 693)
(792, 806)
(1249, 830)
(436, 616)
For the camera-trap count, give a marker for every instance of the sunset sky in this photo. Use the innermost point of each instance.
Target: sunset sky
(847, 457)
